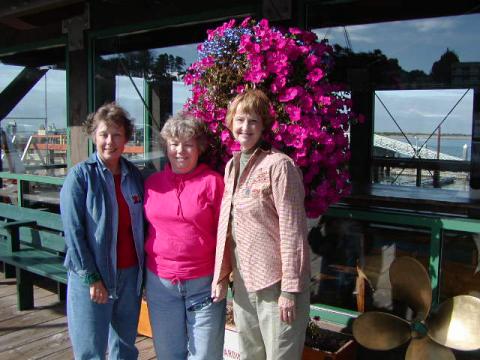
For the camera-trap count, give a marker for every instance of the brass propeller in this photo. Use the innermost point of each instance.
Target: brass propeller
(452, 325)
(426, 349)
(381, 331)
(455, 323)
(411, 284)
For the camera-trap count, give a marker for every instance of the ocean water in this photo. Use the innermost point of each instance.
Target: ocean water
(448, 145)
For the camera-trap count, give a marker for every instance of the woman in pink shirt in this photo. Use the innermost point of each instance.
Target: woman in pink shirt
(182, 206)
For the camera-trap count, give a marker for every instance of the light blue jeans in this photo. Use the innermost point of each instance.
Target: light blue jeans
(93, 326)
(185, 323)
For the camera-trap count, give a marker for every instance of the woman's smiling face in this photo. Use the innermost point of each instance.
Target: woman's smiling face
(247, 128)
(183, 154)
(110, 141)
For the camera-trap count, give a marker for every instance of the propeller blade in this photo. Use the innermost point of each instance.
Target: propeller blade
(411, 284)
(455, 323)
(426, 349)
(381, 331)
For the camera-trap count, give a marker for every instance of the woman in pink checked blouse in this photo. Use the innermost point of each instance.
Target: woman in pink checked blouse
(262, 238)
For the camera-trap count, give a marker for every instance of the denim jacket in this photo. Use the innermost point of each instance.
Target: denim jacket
(89, 212)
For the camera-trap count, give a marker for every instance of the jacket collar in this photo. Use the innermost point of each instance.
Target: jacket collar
(94, 159)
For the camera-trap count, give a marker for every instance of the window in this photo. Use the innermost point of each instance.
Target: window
(33, 127)
(423, 79)
(34, 113)
(148, 83)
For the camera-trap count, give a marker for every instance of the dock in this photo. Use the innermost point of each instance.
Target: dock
(41, 333)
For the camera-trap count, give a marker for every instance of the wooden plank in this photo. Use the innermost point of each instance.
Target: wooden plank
(145, 348)
(30, 334)
(36, 261)
(39, 348)
(41, 332)
(9, 288)
(31, 318)
(9, 305)
(65, 354)
(43, 218)
(6, 288)
(39, 238)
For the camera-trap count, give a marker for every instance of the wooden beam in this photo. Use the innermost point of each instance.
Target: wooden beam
(18, 88)
(78, 100)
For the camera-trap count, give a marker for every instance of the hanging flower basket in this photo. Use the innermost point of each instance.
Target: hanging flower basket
(312, 115)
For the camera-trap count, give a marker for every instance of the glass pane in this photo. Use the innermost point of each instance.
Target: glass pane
(34, 130)
(461, 265)
(148, 84)
(41, 196)
(341, 245)
(35, 195)
(423, 125)
(423, 74)
(9, 191)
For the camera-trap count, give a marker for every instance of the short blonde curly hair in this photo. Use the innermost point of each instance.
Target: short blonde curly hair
(184, 125)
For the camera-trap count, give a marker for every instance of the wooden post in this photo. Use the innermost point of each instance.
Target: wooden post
(436, 173)
(61, 291)
(77, 85)
(361, 134)
(161, 95)
(24, 290)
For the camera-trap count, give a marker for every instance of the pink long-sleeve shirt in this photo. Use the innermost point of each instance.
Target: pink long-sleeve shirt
(182, 212)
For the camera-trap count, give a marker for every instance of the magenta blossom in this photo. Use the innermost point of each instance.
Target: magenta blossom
(311, 115)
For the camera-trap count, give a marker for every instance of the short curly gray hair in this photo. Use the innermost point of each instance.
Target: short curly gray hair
(184, 125)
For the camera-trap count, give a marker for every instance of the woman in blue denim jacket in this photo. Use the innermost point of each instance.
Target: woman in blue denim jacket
(101, 203)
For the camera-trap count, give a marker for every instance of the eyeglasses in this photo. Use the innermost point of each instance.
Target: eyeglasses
(200, 305)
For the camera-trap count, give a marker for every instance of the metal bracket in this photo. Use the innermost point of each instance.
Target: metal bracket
(74, 28)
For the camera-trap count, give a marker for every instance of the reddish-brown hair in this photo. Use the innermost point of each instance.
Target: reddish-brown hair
(253, 102)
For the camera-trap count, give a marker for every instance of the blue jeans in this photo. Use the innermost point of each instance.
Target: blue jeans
(93, 326)
(185, 323)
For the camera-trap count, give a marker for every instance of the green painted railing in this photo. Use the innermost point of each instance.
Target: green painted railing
(22, 179)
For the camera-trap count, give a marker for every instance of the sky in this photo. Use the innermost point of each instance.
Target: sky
(427, 39)
(422, 111)
(38, 103)
(417, 44)
(414, 110)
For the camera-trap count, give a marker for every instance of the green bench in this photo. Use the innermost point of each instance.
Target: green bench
(32, 242)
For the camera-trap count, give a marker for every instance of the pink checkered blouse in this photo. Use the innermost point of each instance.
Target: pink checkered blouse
(270, 223)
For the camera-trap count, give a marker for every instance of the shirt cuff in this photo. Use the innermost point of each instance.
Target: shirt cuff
(288, 295)
(89, 279)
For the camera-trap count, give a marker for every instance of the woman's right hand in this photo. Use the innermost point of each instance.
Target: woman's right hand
(98, 293)
(219, 291)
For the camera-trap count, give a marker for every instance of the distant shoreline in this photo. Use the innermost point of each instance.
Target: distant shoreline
(434, 136)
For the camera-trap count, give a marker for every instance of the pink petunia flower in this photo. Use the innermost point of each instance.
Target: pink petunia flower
(311, 115)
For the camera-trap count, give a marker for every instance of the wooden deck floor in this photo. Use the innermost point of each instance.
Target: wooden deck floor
(40, 333)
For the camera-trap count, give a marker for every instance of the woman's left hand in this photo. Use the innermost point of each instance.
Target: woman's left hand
(219, 291)
(287, 309)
